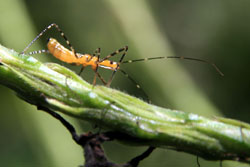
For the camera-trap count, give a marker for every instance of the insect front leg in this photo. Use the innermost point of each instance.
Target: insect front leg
(124, 50)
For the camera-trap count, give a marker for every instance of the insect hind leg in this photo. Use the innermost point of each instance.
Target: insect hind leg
(100, 77)
(46, 29)
(137, 85)
(38, 52)
(125, 49)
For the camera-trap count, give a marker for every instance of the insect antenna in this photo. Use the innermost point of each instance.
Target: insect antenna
(177, 57)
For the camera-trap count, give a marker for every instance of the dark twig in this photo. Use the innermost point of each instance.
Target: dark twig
(69, 127)
(91, 144)
(135, 161)
(197, 160)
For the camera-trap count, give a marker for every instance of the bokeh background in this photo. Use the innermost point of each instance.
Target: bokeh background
(214, 30)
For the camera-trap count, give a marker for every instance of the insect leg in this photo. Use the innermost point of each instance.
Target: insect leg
(46, 29)
(137, 85)
(97, 51)
(100, 77)
(96, 69)
(125, 49)
(81, 70)
(38, 52)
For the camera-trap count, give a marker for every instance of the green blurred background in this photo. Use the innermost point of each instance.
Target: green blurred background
(214, 30)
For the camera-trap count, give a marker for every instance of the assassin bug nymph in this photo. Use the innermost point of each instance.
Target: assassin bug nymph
(94, 60)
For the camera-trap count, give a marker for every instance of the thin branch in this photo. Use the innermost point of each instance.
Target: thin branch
(59, 89)
(91, 144)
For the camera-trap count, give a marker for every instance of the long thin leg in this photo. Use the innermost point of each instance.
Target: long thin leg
(46, 29)
(125, 49)
(137, 85)
(96, 70)
(116, 52)
(98, 57)
(100, 77)
(81, 70)
(97, 52)
(94, 80)
(38, 52)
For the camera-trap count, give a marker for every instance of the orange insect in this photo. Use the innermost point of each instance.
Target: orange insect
(65, 55)
(70, 56)
(94, 60)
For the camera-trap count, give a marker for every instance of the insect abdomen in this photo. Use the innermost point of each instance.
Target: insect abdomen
(60, 52)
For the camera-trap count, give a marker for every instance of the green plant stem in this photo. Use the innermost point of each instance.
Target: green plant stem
(59, 89)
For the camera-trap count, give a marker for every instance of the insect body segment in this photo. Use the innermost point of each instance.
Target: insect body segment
(65, 55)
(68, 56)
(60, 52)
